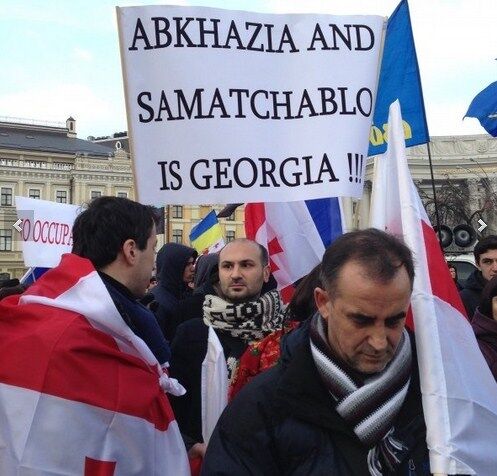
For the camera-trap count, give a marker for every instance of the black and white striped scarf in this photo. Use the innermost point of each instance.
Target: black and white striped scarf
(250, 321)
(371, 408)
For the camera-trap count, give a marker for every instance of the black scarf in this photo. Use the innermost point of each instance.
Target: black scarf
(249, 321)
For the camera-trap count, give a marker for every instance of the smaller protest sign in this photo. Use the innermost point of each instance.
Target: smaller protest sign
(46, 230)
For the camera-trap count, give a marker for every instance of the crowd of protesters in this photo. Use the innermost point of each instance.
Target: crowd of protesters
(328, 384)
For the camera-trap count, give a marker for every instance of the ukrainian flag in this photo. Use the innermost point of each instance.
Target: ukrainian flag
(207, 236)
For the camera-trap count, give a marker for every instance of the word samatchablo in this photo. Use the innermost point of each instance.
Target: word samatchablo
(261, 104)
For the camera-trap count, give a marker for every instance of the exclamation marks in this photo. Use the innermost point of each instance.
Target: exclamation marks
(358, 162)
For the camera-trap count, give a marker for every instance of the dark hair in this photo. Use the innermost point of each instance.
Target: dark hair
(10, 287)
(488, 293)
(453, 266)
(485, 244)
(381, 254)
(263, 251)
(302, 304)
(100, 231)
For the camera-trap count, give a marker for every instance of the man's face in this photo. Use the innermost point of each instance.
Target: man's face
(365, 318)
(144, 266)
(488, 264)
(189, 272)
(241, 272)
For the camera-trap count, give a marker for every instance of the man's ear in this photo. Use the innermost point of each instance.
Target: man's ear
(129, 249)
(266, 273)
(322, 300)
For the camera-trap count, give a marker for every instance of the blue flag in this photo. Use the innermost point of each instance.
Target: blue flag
(484, 108)
(32, 274)
(399, 79)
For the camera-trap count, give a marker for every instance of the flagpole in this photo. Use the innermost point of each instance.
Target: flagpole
(437, 216)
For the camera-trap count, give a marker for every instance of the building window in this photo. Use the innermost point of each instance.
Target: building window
(177, 211)
(122, 194)
(230, 236)
(231, 217)
(5, 240)
(6, 197)
(62, 166)
(95, 194)
(177, 236)
(34, 193)
(61, 196)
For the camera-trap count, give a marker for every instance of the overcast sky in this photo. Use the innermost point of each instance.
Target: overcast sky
(60, 58)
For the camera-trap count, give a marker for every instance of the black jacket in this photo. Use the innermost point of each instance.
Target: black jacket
(471, 292)
(140, 319)
(171, 289)
(284, 423)
(188, 350)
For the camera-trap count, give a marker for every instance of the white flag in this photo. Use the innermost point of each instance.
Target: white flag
(459, 392)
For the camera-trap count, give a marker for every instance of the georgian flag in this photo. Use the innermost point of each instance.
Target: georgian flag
(458, 390)
(80, 393)
(295, 235)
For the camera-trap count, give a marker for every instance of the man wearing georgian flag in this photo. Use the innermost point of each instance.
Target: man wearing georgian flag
(82, 385)
(459, 393)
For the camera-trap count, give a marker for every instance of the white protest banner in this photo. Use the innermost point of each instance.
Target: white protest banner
(46, 230)
(230, 106)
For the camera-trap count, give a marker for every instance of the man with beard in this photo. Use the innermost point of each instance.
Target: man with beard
(238, 314)
(345, 397)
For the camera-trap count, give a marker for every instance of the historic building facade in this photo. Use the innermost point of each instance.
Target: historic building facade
(47, 161)
(465, 177)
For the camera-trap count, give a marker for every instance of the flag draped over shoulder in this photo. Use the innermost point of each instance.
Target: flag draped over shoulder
(484, 108)
(295, 235)
(459, 393)
(399, 79)
(80, 393)
(207, 236)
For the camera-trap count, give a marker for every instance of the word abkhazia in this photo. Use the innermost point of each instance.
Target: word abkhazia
(180, 32)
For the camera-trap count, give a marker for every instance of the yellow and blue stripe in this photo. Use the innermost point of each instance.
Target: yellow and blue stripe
(206, 233)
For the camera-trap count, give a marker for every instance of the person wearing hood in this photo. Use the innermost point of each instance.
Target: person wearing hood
(486, 260)
(175, 269)
(206, 276)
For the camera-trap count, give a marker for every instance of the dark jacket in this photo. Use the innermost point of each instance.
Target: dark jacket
(485, 329)
(471, 292)
(284, 423)
(171, 262)
(188, 349)
(140, 319)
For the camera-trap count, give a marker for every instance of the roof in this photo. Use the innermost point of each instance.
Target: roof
(25, 139)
